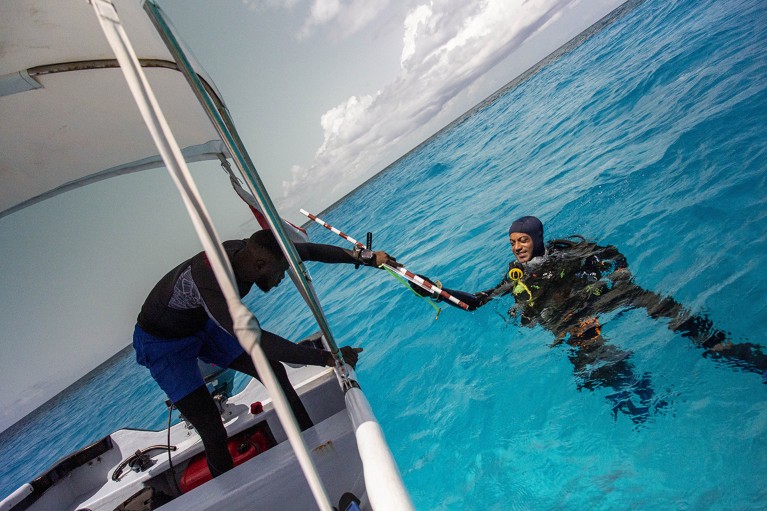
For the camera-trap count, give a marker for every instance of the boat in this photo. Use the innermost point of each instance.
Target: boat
(140, 78)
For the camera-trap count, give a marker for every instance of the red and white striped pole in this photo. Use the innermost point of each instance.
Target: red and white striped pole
(401, 270)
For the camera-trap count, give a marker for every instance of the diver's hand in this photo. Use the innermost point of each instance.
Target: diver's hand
(351, 356)
(483, 297)
(620, 275)
(423, 292)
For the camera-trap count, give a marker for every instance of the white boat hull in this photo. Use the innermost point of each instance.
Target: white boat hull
(271, 480)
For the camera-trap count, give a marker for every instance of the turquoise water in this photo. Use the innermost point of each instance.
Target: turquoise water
(650, 136)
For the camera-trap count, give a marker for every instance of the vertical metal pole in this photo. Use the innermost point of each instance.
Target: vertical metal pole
(222, 121)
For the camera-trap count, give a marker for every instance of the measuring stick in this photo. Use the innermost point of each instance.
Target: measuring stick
(402, 271)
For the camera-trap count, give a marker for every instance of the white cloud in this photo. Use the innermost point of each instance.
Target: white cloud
(420, 15)
(341, 125)
(447, 46)
(324, 11)
(262, 5)
(341, 19)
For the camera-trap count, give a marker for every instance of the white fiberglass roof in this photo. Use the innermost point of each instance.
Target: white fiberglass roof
(66, 115)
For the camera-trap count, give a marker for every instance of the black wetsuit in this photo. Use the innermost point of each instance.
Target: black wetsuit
(567, 289)
(188, 295)
(578, 280)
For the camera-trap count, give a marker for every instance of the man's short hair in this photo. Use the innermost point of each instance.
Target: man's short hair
(265, 239)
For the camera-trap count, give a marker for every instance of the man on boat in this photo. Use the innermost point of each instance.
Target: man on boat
(566, 284)
(185, 317)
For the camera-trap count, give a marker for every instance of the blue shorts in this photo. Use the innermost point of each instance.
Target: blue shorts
(173, 362)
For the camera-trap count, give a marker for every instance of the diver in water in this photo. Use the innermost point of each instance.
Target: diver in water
(566, 284)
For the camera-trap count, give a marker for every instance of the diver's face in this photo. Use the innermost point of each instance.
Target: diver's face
(271, 272)
(522, 246)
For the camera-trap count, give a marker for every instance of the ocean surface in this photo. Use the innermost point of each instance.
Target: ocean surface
(651, 136)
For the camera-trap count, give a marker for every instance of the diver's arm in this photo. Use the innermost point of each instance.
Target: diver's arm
(625, 293)
(473, 300)
(477, 300)
(699, 328)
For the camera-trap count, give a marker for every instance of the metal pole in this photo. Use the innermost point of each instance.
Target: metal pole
(222, 121)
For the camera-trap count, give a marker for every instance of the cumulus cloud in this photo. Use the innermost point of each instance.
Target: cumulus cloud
(420, 15)
(447, 46)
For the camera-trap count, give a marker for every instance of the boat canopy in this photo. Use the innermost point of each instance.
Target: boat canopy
(68, 118)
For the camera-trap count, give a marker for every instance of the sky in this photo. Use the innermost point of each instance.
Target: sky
(324, 93)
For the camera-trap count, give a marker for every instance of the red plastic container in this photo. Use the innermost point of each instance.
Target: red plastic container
(242, 446)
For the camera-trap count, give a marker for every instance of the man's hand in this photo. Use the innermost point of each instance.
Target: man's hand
(351, 356)
(371, 258)
(382, 257)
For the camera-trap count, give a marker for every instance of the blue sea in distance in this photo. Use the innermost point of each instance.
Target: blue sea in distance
(651, 135)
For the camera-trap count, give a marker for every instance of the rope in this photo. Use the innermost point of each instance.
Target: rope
(404, 282)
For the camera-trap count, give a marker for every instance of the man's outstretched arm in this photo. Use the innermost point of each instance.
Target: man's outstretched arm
(336, 255)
